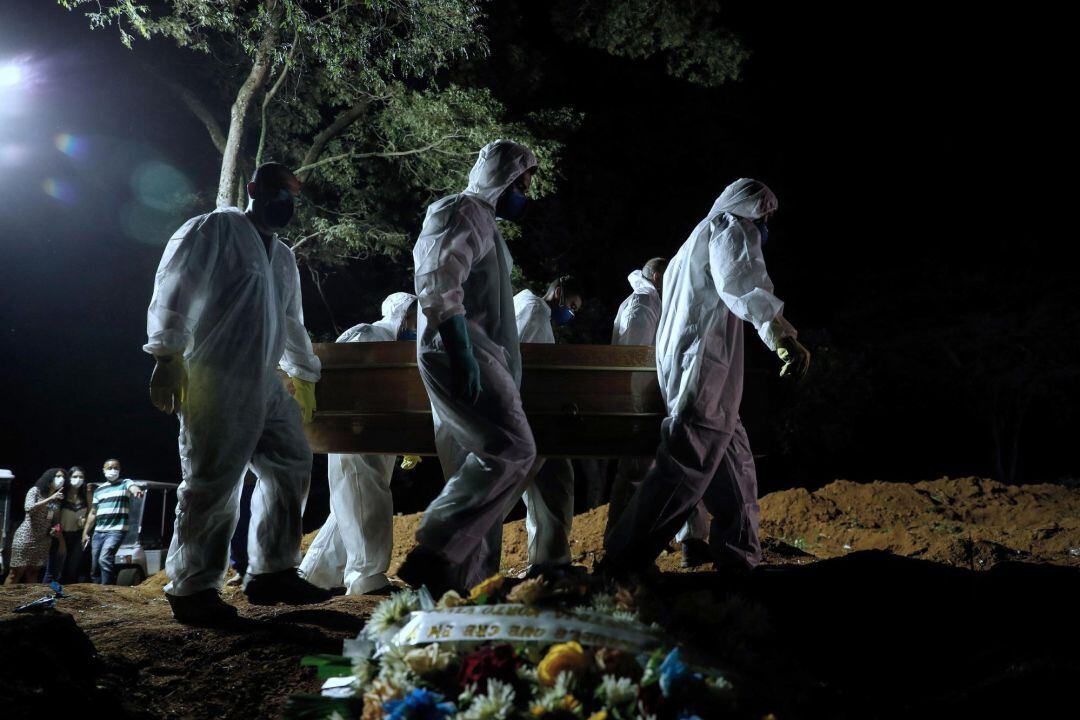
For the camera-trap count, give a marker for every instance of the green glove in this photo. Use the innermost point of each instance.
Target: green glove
(464, 370)
(304, 395)
(795, 356)
(168, 383)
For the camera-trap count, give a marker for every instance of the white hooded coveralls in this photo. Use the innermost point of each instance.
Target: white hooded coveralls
(462, 267)
(232, 306)
(549, 499)
(635, 324)
(714, 283)
(353, 546)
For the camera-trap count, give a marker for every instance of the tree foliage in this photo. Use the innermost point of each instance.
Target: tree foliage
(356, 46)
(687, 34)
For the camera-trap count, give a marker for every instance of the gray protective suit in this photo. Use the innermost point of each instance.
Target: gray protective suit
(462, 267)
(233, 309)
(635, 324)
(353, 546)
(716, 282)
(549, 499)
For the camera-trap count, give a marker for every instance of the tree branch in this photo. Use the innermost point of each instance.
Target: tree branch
(341, 122)
(355, 156)
(268, 98)
(255, 79)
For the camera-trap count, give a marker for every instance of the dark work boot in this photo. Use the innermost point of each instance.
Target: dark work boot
(284, 586)
(204, 609)
(425, 568)
(695, 553)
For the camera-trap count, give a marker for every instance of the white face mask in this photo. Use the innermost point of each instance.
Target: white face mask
(76, 482)
(57, 483)
(112, 475)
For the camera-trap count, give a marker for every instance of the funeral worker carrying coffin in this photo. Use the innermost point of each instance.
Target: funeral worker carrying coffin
(352, 550)
(549, 497)
(470, 363)
(715, 283)
(635, 324)
(225, 315)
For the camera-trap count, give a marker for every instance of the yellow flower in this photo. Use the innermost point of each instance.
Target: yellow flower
(570, 703)
(538, 710)
(488, 587)
(564, 657)
(602, 715)
(528, 592)
(451, 599)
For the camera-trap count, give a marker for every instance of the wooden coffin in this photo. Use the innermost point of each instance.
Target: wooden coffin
(581, 400)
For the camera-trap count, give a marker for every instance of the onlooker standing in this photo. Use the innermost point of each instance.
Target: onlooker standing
(30, 544)
(65, 562)
(109, 521)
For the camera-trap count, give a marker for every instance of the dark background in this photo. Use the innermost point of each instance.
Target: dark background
(920, 244)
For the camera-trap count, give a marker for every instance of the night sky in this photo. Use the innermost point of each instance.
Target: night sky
(907, 149)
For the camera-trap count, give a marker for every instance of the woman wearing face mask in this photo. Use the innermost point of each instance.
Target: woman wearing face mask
(30, 544)
(66, 558)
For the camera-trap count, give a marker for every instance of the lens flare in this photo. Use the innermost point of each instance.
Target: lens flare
(70, 145)
(59, 190)
(161, 186)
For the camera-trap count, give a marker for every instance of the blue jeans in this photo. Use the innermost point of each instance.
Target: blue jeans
(102, 556)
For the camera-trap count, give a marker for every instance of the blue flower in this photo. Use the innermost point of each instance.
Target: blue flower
(675, 676)
(420, 704)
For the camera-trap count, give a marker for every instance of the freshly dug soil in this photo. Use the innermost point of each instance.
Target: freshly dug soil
(823, 629)
(965, 522)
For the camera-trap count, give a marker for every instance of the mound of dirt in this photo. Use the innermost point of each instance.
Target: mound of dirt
(965, 522)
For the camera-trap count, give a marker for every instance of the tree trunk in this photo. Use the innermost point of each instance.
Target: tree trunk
(238, 115)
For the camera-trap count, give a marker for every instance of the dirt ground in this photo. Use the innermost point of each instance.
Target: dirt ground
(815, 631)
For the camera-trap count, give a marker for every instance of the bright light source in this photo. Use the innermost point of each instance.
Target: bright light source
(10, 75)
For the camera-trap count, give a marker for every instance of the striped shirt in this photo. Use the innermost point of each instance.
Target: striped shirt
(112, 504)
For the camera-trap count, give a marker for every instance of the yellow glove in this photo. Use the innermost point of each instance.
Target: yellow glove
(408, 462)
(304, 395)
(168, 383)
(795, 356)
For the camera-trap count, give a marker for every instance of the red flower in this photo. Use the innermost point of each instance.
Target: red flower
(499, 662)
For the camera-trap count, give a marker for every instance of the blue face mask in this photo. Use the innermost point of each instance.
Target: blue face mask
(278, 210)
(511, 205)
(409, 335)
(562, 315)
(763, 229)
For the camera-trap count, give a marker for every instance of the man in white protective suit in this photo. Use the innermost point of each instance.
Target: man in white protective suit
(225, 314)
(635, 324)
(715, 283)
(549, 499)
(470, 362)
(354, 544)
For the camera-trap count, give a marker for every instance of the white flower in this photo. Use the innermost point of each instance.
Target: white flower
(496, 704)
(603, 603)
(552, 698)
(617, 693)
(363, 671)
(393, 662)
(391, 614)
(466, 697)
(625, 616)
(527, 673)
